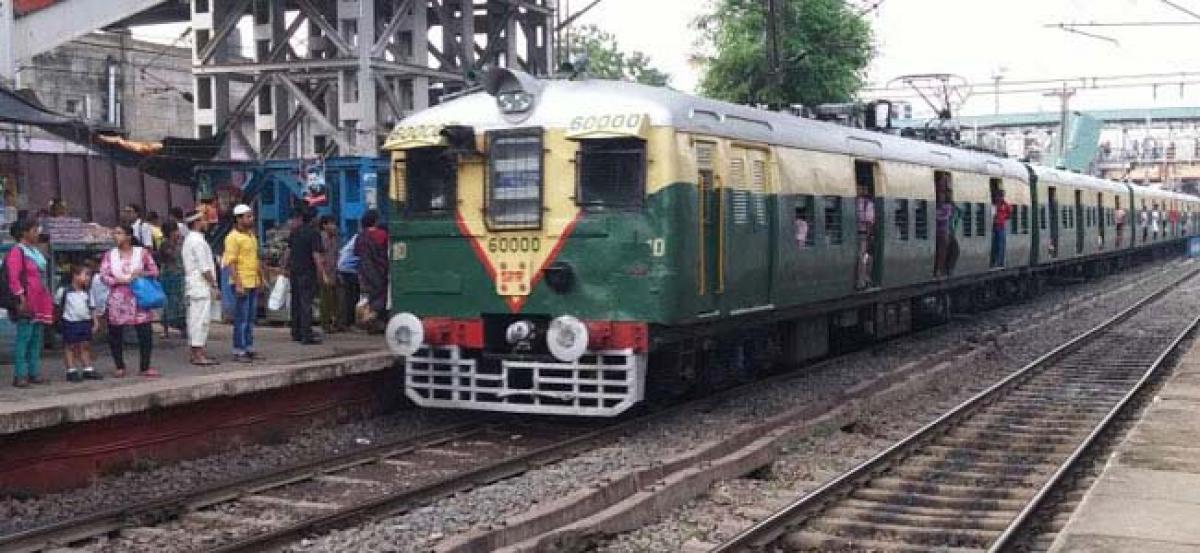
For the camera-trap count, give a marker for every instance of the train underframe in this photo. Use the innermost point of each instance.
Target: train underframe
(633, 362)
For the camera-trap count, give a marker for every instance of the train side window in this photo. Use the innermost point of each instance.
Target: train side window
(611, 172)
(964, 215)
(429, 179)
(980, 220)
(922, 220)
(901, 217)
(833, 220)
(1014, 219)
(805, 233)
(1024, 219)
(1042, 217)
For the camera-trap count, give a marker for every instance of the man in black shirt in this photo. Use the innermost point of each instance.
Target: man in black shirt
(305, 271)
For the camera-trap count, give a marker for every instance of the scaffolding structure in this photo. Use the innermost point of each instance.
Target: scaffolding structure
(331, 77)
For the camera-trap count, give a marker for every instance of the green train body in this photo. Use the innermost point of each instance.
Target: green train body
(551, 235)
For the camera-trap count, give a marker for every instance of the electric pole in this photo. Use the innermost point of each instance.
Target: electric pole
(1064, 97)
(774, 53)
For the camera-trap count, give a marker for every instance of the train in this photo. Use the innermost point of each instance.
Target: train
(559, 246)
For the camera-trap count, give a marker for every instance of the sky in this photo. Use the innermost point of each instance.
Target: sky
(975, 39)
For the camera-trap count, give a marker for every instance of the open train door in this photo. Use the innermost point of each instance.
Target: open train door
(1053, 215)
(1078, 221)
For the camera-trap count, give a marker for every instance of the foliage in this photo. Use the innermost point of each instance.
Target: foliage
(607, 61)
(825, 48)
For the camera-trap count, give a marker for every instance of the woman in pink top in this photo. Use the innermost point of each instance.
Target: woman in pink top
(27, 269)
(121, 266)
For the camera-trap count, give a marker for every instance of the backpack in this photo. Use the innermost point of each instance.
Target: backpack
(8, 300)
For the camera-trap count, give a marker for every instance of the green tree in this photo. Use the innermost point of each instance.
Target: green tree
(825, 48)
(607, 61)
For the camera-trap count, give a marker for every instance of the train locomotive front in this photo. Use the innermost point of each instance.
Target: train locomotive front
(530, 259)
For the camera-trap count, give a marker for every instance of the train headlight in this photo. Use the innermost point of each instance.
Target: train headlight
(567, 338)
(514, 102)
(405, 334)
(520, 331)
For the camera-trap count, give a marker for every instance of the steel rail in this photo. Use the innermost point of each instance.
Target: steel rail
(772, 527)
(113, 520)
(1014, 529)
(103, 522)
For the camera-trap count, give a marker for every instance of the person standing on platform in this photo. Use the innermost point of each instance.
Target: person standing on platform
(306, 273)
(246, 273)
(79, 324)
(27, 268)
(177, 218)
(372, 250)
(347, 274)
(331, 299)
(124, 264)
(132, 215)
(156, 233)
(174, 313)
(200, 276)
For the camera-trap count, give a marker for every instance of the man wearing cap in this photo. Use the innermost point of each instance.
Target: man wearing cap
(245, 271)
(200, 286)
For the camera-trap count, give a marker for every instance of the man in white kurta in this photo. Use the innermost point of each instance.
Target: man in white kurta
(200, 286)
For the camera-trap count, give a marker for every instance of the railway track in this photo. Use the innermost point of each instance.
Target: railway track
(380, 480)
(973, 478)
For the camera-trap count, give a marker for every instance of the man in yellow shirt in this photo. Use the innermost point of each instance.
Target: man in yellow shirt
(245, 273)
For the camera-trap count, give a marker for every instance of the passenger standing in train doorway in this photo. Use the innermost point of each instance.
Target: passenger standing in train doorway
(942, 215)
(1000, 228)
(1144, 222)
(864, 215)
(864, 210)
(1120, 215)
(1155, 221)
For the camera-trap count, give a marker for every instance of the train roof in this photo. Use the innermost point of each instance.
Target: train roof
(560, 101)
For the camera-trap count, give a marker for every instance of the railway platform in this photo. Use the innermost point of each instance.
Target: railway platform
(1148, 496)
(60, 435)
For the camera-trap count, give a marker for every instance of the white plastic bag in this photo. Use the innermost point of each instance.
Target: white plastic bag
(279, 294)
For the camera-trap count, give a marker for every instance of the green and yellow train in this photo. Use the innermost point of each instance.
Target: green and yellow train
(551, 235)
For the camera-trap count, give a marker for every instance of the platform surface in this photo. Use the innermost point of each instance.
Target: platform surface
(285, 363)
(1148, 497)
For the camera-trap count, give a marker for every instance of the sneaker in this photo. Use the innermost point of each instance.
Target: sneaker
(254, 355)
(20, 382)
(243, 358)
(38, 380)
(151, 373)
(92, 375)
(74, 376)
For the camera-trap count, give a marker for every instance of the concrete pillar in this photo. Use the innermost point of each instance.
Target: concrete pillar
(8, 61)
(418, 86)
(271, 111)
(211, 91)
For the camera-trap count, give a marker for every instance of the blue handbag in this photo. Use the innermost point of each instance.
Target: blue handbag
(148, 293)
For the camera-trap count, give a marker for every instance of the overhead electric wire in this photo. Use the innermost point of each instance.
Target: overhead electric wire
(1082, 80)
(1181, 8)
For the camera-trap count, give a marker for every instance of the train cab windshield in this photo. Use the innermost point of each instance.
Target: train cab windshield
(515, 166)
(429, 178)
(611, 172)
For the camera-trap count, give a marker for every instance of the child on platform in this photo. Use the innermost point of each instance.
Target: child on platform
(79, 322)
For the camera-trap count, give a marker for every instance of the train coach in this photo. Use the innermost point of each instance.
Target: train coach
(554, 235)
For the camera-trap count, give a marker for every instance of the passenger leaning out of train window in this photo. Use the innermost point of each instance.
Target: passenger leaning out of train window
(1000, 228)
